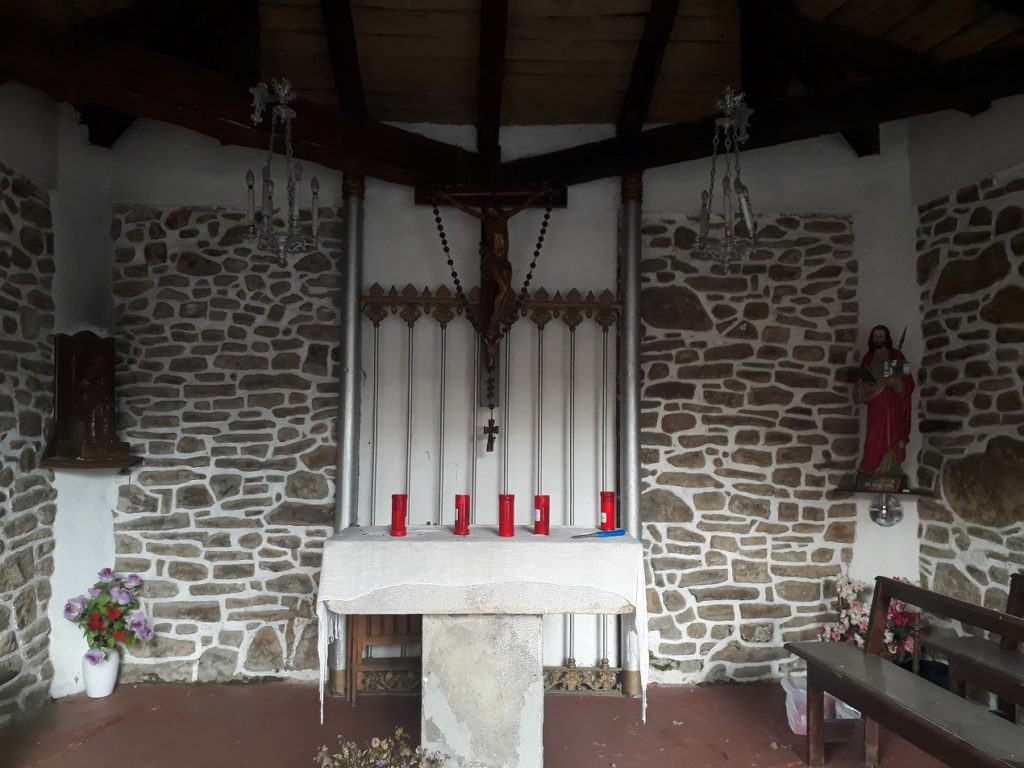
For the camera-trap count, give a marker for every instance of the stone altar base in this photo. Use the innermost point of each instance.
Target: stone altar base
(483, 690)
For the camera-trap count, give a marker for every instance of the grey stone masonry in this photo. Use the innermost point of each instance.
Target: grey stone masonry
(27, 493)
(747, 421)
(970, 266)
(227, 380)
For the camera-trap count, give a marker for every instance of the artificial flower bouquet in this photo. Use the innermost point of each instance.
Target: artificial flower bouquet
(852, 624)
(109, 614)
(392, 752)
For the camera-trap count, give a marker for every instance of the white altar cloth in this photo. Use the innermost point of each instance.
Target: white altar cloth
(432, 571)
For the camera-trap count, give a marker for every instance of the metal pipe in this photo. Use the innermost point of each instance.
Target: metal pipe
(440, 428)
(508, 410)
(346, 506)
(408, 415)
(629, 393)
(375, 424)
(346, 482)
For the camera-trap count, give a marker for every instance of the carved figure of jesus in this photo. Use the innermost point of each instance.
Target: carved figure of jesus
(495, 268)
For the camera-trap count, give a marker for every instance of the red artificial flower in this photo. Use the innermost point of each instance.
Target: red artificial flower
(114, 613)
(95, 620)
(903, 619)
(119, 635)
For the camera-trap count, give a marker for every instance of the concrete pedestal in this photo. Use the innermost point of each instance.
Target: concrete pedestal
(483, 690)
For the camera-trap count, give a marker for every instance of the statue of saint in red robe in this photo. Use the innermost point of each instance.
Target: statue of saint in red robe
(885, 385)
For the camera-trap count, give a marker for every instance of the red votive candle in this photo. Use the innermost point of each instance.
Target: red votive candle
(399, 507)
(506, 514)
(607, 510)
(541, 514)
(462, 514)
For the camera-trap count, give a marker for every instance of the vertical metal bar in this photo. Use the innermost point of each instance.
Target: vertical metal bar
(475, 436)
(572, 427)
(408, 416)
(506, 417)
(604, 410)
(375, 423)
(604, 462)
(629, 394)
(440, 428)
(540, 410)
(572, 469)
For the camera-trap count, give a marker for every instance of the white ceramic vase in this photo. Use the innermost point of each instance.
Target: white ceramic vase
(101, 678)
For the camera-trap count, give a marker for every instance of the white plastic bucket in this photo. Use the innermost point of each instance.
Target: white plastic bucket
(795, 686)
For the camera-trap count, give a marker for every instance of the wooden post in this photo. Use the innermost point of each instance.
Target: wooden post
(815, 721)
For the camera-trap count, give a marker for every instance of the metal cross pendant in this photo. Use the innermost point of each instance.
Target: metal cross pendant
(491, 430)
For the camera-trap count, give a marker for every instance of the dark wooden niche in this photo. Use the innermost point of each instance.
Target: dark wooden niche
(85, 416)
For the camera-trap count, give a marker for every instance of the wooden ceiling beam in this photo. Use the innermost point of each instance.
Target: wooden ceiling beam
(491, 83)
(344, 55)
(862, 53)
(80, 68)
(990, 74)
(1016, 7)
(105, 125)
(647, 65)
(192, 30)
(778, 26)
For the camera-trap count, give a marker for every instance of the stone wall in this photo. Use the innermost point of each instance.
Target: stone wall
(971, 271)
(227, 388)
(747, 423)
(27, 492)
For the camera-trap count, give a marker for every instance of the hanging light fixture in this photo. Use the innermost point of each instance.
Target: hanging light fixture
(739, 236)
(270, 242)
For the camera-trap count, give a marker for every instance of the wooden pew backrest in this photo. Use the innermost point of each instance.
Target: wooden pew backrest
(1009, 627)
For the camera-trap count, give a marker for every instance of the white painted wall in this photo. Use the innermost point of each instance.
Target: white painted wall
(950, 149)
(84, 534)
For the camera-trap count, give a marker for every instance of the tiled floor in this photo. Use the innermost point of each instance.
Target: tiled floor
(276, 725)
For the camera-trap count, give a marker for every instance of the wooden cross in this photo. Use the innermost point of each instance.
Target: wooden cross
(491, 430)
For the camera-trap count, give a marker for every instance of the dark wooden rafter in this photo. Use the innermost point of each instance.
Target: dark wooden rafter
(647, 65)
(105, 125)
(80, 68)
(764, 75)
(779, 34)
(491, 83)
(990, 74)
(1016, 7)
(340, 30)
(192, 30)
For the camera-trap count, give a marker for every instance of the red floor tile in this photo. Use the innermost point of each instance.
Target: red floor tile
(276, 725)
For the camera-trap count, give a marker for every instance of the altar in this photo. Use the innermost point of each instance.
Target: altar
(482, 598)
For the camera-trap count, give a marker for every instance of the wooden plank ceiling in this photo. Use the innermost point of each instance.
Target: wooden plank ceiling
(630, 63)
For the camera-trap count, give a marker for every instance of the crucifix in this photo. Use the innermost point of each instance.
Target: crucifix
(496, 310)
(491, 430)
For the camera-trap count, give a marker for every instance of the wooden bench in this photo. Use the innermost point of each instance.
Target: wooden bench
(956, 731)
(993, 666)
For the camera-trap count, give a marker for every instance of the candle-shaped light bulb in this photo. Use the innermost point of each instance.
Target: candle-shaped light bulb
(293, 214)
(705, 217)
(315, 186)
(744, 197)
(727, 205)
(250, 197)
(268, 198)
